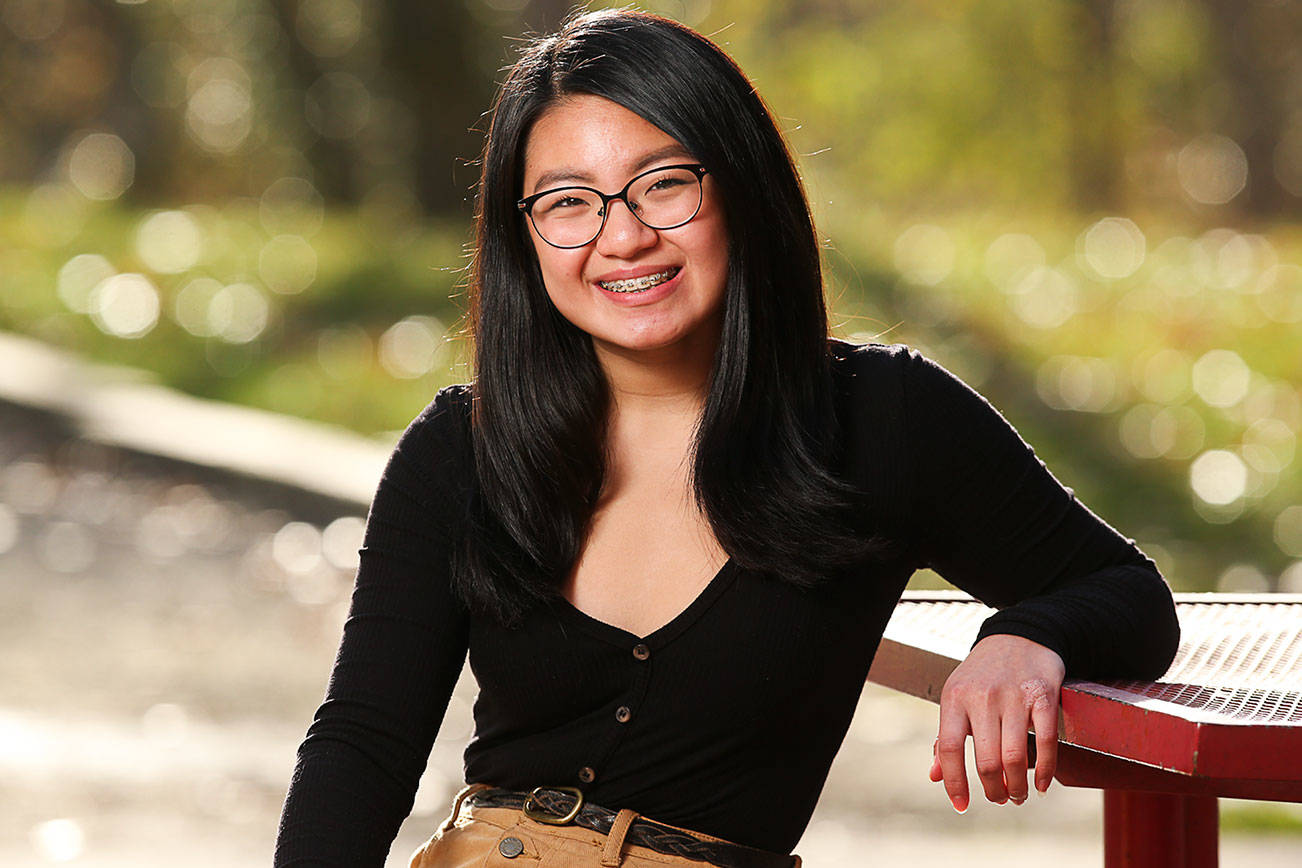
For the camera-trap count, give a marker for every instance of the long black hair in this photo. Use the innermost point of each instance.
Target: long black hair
(761, 465)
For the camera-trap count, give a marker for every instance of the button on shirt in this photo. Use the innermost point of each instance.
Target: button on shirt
(751, 666)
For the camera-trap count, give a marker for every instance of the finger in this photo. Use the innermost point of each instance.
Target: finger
(1013, 753)
(987, 751)
(950, 745)
(935, 774)
(1044, 718)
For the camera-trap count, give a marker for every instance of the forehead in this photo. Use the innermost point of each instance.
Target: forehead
(589, 139)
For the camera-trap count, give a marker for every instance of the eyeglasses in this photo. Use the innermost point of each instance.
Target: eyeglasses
(662, 198)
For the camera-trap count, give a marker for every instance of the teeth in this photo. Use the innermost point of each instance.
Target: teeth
(637, 284)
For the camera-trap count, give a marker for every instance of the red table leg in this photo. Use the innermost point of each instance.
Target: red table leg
(1159, 830)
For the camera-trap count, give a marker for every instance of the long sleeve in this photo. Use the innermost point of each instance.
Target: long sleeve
(994, 521)
(403, 647)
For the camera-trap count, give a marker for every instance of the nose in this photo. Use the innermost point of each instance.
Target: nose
(624, 235)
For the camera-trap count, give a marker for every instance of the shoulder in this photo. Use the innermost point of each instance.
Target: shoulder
(438, 439)
(904, 373)
(881, 371)
(447, 413)
(874, 359)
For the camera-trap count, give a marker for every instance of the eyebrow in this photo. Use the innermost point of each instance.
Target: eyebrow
(552, 178)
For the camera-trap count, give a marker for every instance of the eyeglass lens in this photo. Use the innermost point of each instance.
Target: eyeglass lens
(573, 216)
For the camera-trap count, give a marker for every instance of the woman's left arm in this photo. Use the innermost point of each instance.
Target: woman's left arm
(1074, 596)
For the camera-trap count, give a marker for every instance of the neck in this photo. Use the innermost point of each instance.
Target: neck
(670, 379)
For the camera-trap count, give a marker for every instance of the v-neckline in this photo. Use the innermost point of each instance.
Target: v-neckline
(662, 635)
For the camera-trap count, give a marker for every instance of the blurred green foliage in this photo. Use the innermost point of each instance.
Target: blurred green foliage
(1087, 209)
(1261, 818)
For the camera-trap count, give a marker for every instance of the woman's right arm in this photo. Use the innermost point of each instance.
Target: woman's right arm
(403, 647)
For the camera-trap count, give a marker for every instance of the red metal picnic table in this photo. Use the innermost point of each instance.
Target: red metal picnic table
(1225, 719)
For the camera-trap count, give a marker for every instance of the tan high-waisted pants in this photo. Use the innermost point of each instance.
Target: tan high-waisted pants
(506, 838)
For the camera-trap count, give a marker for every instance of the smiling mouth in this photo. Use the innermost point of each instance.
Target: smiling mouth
(639, 284)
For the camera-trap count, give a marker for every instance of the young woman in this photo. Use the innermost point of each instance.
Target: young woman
(670, 518)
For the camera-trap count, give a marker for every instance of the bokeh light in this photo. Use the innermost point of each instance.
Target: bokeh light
(1113, 248)
(1177, 432)
(1290, 581)
(78, 278)
(924, 254)
(1212, 169)
(411, 347)
(1221, 378)
(169, 242)
(300, 551)
(191, 304)
(1279, 293)
(1044, 298)
(1010, 256)
(101, 166)
(341, 540)
(296, 547)
(219, 112)
(1077, 383)
(158, 536)
(60, 840)
(1280, 399)
(1242, 579)
(1288, 530)
(328, 28)
(1218, 477)
(66, 547)
(125, 305)
(1164, 376)
(287, 264)
(238, 313)
(1157, 431)
(291, 206)
(1269, 446)
(29, 486)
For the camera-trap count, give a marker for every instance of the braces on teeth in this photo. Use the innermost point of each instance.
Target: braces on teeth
(637, 284)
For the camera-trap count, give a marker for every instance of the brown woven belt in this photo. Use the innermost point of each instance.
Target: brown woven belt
(555, 805)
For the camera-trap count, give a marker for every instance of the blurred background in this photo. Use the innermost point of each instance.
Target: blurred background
(1091, 210)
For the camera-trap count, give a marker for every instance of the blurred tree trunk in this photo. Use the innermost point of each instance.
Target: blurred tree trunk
(1255, 46)
(156, 142)
(1095, 150)
(334, 161)
(435, 55)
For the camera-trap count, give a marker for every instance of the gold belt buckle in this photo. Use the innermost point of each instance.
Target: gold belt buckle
(534, 811)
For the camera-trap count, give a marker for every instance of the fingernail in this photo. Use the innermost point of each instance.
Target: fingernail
(960, 804)
(1017, 801)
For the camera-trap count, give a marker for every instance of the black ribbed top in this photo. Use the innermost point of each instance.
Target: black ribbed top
(726, 719)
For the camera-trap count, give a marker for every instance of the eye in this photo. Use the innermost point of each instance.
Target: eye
(560, 202)
(668, 182)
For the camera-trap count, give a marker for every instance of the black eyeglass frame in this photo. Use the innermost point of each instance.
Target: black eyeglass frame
(526, 204)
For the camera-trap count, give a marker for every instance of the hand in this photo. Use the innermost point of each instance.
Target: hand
(1006, 686)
